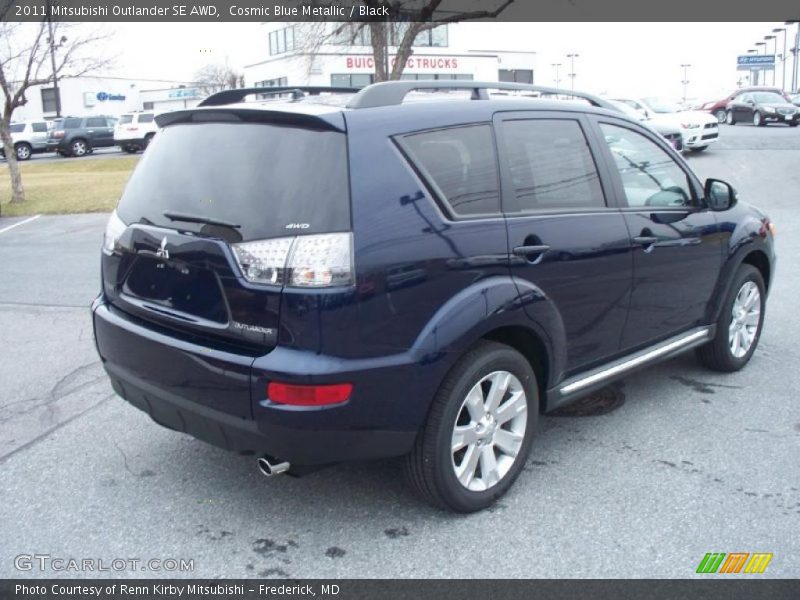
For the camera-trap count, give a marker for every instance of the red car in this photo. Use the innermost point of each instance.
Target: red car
(718, 108)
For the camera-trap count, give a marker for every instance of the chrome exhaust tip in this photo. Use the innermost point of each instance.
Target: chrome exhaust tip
(270, 467)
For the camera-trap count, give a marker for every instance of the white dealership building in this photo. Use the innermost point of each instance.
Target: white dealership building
(345, 59)
(108, 96)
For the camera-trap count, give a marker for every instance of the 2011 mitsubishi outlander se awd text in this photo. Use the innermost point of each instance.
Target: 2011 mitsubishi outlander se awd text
(388, 273)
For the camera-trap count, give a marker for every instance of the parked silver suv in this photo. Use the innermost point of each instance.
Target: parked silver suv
(29, 137)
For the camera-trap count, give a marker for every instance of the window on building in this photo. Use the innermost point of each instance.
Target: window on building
(461, 165)
(49, 103)
(515, 75)
(148, 105)
(277, 82)
(281, 40)
(358, 34)
(356, 80)
(428, 76)
(551, 165)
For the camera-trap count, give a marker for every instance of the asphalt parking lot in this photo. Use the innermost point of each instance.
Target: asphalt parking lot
(692, 462)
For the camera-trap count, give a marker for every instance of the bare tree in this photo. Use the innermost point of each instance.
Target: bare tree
(409, 18)
(33, 54)
(215, 78)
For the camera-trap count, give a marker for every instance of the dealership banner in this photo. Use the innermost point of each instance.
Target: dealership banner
(367, 10)
(390, 589)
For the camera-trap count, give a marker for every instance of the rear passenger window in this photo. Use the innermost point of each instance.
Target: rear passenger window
(95, 122)
(40, 127)
(461, 165)
(72, 123)
(551, 165)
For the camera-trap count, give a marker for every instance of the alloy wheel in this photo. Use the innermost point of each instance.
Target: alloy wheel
(489, 430)
(745, 319)
(23, 152)
(78, 148)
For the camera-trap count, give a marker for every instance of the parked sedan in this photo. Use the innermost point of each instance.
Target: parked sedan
(670, 132)
(719, 107)
(761, 108)
(698, 129)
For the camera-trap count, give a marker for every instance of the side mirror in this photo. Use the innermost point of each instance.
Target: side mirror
(720, 195)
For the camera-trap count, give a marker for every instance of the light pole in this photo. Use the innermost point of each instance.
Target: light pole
(783, 56)
(572, 58)
(557, 66)
(685, 81)
(795, 51)
(760, 69)
(774, 52)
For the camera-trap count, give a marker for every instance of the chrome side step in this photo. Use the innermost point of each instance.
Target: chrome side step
(596, 378)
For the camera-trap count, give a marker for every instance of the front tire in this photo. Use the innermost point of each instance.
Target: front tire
(758, 120)
(739, 324)
(729, 118)
(479, 430)
(721, 115)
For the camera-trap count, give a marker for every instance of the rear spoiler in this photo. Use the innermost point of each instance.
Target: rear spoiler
(329, 121)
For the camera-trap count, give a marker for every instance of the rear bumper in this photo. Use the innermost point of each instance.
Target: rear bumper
(380, 422)
(129, 142)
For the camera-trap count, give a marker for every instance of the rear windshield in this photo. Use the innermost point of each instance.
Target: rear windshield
(125, 119)
(270, 180)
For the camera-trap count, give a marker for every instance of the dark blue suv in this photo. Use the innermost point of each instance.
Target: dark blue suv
(417, 269)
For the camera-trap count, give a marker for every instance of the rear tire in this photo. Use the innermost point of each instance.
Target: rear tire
(739, 324)
(147, 139)
(79, 147)
(492, 431)
(23, 151)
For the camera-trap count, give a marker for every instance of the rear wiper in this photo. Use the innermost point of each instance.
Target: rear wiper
(174, 216)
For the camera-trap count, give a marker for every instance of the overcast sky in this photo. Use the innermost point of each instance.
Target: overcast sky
(617, 58)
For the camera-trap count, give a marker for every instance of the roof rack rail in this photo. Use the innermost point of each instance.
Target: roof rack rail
(388, 93)
(297, 91)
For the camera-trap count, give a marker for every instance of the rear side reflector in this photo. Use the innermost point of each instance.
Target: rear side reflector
(309, 395)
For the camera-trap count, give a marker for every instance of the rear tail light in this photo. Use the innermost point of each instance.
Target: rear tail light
(308, 261)
(309, 395)
(114, 228)
(133, 129)
(58, 134)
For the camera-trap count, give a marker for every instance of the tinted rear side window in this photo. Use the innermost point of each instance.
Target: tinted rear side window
(17, 128)
(72, 123)
(461, 165)
(271, 180)
(40, 127)
(551, 165)
(146, 118)
(96, 122)
(125, 119)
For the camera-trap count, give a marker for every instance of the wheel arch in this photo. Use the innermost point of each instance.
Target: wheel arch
(526, 341)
